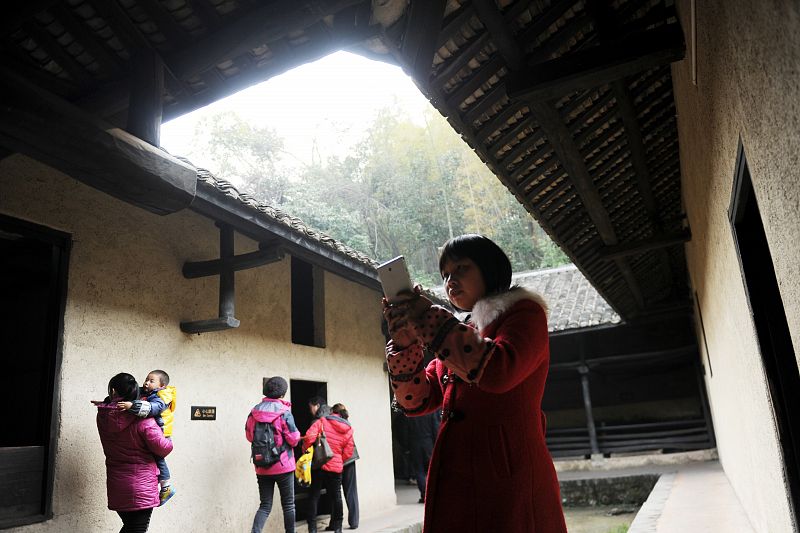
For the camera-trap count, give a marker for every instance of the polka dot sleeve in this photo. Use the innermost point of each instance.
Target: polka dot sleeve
(459, 346)
(409, 382)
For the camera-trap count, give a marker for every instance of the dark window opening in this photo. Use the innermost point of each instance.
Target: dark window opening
(33, 263)
(769, 318)
(308, 317)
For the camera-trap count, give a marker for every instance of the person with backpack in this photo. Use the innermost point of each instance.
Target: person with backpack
(339, 435)
(272, 432)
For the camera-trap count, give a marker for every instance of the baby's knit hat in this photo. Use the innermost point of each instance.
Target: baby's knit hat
(275, 387)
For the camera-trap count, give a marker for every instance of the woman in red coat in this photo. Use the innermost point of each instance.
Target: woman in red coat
(129, 444)
(339, 435)
(490, 469)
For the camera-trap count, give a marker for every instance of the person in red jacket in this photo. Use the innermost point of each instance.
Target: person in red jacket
(275, 410)
(130, 444)
(490, 469)
(340, 438)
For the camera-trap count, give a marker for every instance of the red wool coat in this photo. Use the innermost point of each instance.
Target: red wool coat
(490, 470)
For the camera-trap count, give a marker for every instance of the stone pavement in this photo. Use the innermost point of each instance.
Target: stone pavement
(696, 498)
(689, 497)
(405, 517)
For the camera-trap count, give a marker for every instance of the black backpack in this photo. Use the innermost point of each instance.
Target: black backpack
(264, 451)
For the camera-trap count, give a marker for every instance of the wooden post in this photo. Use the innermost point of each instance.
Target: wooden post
(227, 290)
(583, 370)
(147, 87)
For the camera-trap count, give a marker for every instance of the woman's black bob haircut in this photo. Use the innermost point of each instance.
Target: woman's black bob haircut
(125, 386)
(491, 260)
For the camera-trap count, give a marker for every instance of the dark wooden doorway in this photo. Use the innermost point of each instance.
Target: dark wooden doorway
(769, 318)
(301, 391)
(33, 266)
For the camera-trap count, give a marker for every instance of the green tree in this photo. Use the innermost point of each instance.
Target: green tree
(243, 152)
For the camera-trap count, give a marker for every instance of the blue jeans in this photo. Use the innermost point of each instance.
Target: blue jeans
(266, 489)
(163, 470)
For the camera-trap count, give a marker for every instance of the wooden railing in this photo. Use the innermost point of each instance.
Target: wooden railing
(677, 435)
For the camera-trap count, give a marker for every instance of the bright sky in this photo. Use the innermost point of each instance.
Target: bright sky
(330, 102)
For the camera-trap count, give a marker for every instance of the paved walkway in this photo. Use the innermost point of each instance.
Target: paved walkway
(405, 517)
(688, 498)
(696, 498)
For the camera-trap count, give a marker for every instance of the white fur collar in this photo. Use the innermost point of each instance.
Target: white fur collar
(486, 310)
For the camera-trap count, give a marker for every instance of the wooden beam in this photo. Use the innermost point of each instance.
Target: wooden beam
(424, 23)
(571, 159)
(599, 65)
(653, 243)
(501, 34)
(198, 269)
(39, 124)
(145, 107)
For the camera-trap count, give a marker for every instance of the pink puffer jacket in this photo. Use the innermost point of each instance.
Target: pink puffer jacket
(130, 445)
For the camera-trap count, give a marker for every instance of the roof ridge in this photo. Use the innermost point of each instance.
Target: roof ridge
(228, 189)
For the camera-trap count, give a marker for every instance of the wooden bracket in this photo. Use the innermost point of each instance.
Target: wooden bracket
(225, 267)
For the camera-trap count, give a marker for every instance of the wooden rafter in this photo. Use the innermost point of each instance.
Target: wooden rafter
(262, 25)
(48, 43)
(166, 23)
(484, 74)
(560, 139)
(109, 61)
(459, 61)
(600, 64)
(265, 24)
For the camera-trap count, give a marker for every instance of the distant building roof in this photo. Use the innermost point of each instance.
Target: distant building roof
(573, 302)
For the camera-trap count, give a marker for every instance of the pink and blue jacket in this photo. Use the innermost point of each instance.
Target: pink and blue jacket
(279, 413)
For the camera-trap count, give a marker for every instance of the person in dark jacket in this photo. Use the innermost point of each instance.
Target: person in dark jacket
(349, 486)
(273, 409)
(421, 434)
(130, 444)
(490, 469)
(339, 435)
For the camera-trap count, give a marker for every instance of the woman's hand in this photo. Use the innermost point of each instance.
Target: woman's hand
(402, 316)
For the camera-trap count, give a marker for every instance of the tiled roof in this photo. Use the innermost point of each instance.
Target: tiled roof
(226, 188)
(573, 302)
